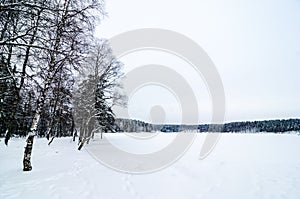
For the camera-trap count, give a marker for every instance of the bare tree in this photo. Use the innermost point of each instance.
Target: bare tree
(40, 39)
(97, 92)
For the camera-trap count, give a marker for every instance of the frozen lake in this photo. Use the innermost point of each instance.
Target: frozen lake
(240, 166)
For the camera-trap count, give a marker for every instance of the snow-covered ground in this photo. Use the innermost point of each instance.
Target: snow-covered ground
(241, 166)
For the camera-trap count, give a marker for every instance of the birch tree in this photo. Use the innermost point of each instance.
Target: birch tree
(97, 92)
(40, 39)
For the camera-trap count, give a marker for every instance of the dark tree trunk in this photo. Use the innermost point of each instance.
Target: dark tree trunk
(51, 140)
(7, 137)
(27, 154)
(48, 136)
(74, 134)
(81, 144)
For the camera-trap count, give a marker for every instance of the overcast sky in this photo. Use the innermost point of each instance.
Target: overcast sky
(255, 46)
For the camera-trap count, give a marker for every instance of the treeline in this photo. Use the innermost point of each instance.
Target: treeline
(128, 125)
(276, 126)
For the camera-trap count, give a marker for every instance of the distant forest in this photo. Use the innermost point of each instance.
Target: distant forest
(276, 126)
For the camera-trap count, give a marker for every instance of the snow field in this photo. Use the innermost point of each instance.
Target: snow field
(241, 166)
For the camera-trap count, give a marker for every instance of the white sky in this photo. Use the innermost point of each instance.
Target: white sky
(255, 46)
